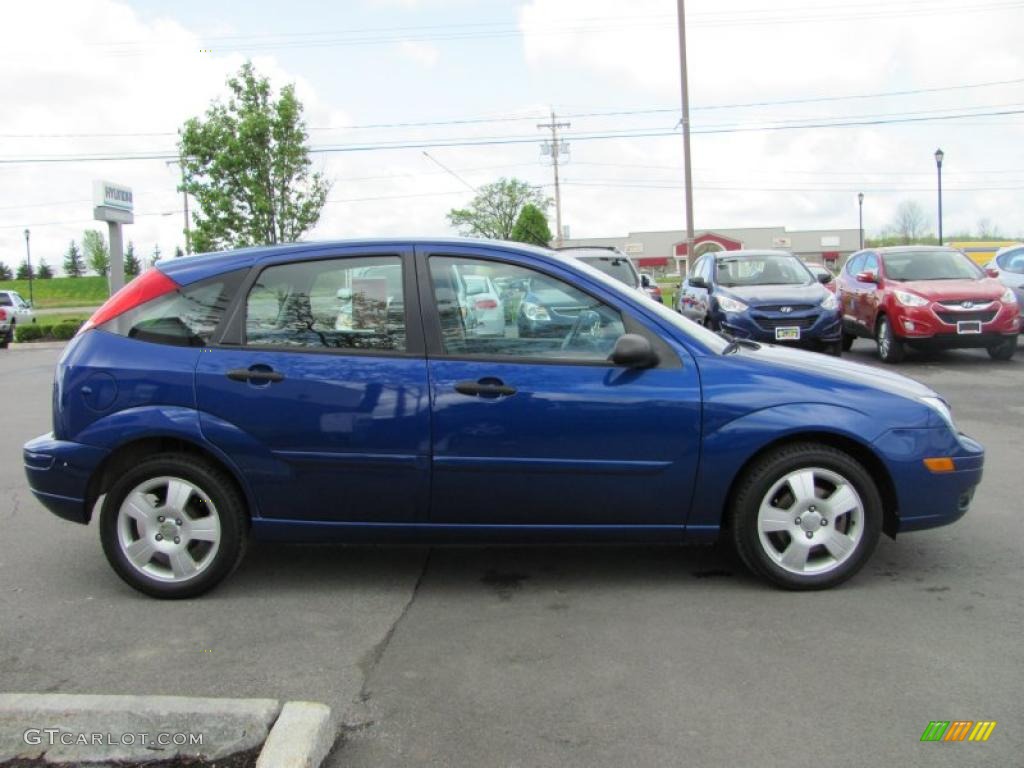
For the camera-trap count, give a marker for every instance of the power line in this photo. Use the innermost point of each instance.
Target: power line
(527, 118)
(717, 188)
(511, 140)
(498, 30)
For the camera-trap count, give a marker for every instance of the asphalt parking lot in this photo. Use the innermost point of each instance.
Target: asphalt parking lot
(559, 656)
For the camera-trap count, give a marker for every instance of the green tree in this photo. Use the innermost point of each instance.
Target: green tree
(532, 227)
(5, 272)
(496, 208)
(132, 266)
(45, 271)
(96, 253)
(73, 264)
(25, 271)
(247, 165)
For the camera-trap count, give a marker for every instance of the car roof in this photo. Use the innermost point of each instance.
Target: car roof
(189, 269)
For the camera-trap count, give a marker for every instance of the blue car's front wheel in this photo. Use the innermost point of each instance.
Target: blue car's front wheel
(806, 516)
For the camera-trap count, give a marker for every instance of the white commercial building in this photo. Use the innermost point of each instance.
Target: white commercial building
(666, 250)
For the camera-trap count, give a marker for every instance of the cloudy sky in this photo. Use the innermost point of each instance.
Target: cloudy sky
(468, 81)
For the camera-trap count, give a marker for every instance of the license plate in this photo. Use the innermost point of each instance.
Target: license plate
(787, 334)
(968, 326)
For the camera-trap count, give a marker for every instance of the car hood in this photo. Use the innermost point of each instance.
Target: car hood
(988, 289)
(777, 294)
(842, 370)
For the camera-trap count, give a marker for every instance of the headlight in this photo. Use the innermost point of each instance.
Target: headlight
(1008, 297)
(535, 312)
(940, 407)
(910, 299)
(731, 305)
(830, 302)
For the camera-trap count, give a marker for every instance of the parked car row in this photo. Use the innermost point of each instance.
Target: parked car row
(907, 297)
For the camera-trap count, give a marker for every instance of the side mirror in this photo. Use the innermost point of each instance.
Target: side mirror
(991, 271)
(633, 351)
(698, 282)
(645, 281)
(825, 278)
(867, 277)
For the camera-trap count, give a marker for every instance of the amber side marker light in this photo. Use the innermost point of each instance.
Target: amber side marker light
(944, 464)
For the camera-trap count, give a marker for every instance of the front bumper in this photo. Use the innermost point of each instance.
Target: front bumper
(925, 327)
(58, 474)
(927, 499)
(817, 326)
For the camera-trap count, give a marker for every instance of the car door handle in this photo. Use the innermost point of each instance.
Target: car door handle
(484, 388)
(259, 375)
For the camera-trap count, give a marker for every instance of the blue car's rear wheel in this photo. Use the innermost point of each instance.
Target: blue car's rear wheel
(173, 526)
(806, 516)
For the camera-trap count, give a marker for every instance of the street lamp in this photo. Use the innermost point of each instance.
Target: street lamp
(939, 154)
(860, 217)
(28, 256)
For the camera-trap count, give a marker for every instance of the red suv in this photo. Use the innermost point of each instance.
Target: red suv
(925, 296)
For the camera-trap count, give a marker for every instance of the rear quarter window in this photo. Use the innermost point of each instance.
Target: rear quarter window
(187, 317)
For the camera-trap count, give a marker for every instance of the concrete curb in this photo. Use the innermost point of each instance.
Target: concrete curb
(301, 737)
(299, 734)
(24, 346)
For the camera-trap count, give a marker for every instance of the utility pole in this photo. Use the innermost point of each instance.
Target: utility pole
(687, 172)
(557, 147)
(184, 198)
(28, 260)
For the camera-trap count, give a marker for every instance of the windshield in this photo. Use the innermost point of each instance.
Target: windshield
(614, 266)
(781, 269)
(930, 265)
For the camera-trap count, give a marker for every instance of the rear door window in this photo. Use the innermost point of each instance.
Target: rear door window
(339, 304)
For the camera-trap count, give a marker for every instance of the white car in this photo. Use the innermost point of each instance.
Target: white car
(1008, 265)
(14, 310)
(485, 314)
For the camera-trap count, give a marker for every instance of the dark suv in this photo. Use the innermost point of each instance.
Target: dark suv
(763, 296)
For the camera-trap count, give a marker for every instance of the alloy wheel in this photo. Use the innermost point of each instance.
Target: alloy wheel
(168, 529)
(810, 521)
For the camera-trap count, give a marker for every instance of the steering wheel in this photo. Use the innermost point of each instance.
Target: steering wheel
(587, 327)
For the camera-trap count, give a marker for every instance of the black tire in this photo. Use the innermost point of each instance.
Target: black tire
(847, 342)
(758, 480)
(834, 348)
(1004, 350)
(216, 486)
(890, 349)
(8, 336)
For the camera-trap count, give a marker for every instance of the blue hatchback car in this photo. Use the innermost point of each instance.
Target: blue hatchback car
(766, 296)
(332, 392)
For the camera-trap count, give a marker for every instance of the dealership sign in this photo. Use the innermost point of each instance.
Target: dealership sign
(112, 202)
